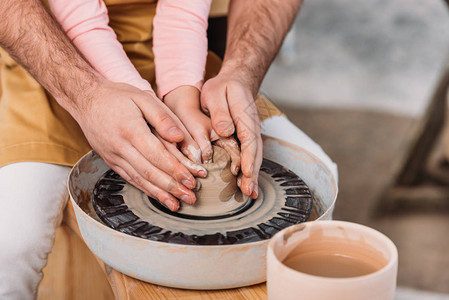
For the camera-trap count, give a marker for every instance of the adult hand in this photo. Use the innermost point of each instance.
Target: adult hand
(184, 101)
(114, 122)
(229, 100)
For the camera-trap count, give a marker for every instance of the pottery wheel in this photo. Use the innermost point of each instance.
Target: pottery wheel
(284, 200)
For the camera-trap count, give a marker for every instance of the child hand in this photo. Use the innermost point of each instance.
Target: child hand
(184, 101)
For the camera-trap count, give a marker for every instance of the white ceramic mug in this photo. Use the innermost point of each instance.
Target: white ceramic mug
(284, 283)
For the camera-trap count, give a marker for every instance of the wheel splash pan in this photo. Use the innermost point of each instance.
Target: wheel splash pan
(192, 266)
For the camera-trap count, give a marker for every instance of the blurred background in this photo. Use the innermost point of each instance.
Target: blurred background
(368, 80)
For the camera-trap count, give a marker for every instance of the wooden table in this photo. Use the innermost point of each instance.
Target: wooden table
(125, 287)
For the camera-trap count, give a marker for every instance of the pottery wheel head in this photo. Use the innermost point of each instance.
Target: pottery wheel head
(284, 200)
(218, 193)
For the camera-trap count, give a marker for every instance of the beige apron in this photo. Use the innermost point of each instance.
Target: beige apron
(34, 127)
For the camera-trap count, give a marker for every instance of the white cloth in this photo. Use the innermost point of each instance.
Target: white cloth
(32, 197)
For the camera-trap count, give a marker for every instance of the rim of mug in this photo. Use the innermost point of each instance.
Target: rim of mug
(388, 242)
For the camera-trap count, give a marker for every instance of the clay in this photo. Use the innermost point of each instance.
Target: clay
(332, 258)
(328, 264)
(217, 194)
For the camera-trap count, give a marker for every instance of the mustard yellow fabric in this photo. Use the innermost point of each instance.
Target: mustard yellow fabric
(34, 127)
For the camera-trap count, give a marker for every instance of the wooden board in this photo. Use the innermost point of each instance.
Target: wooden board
(129, 288)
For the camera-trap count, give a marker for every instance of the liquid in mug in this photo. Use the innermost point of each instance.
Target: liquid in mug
(327, 262)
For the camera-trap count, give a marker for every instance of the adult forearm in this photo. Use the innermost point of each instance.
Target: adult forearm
(33, 38)
(256, 30)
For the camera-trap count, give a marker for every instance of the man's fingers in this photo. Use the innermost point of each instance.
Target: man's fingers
(159, 117)
(245, 185)
(148, 174)
(251, 184)
(154, 192)
(258, 163)
(244, 113)
(154, 151)
(248, 131)
(217, 106)
(231, 146)
(251, 161)
(194, 168)
(248, 139)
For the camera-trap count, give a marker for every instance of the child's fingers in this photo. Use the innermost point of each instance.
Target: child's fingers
(198, 126)
(201, 136)
(206, 147)
(189, 146)
(191, 149)
(184, 101)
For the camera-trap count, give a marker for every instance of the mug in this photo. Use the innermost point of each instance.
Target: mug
(331, 260)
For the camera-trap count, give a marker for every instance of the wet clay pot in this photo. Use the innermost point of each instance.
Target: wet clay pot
(217, 194)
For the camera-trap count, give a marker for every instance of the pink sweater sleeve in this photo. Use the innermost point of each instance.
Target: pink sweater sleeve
(86, 24)
(180, 43)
